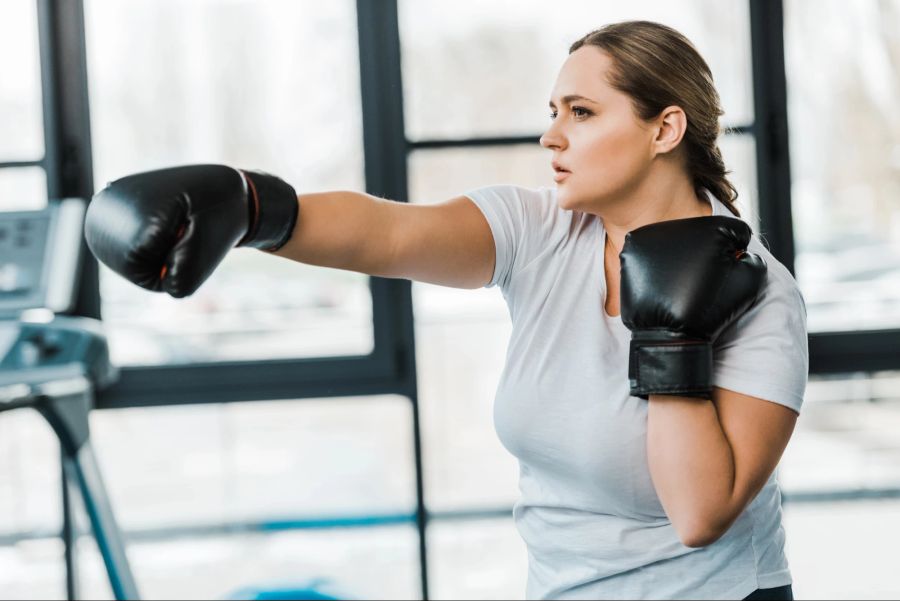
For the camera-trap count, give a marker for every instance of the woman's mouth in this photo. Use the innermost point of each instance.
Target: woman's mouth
(560, 174)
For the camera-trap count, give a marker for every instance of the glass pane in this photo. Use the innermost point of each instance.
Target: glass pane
(258, 460)
(483, 559)
(440, 174)
(843, 550)
(373, 563)
(23, 189)
(474, 68)
(30, 489)
(370, 563)
(846, 439)
(253, 307)
(171, 468)
(845, 161)
(218, 463)
(236, 82)
(21, 113)
(739, 154)
(461, 340)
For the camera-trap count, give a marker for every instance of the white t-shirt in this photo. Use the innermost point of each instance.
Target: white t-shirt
(589, 514)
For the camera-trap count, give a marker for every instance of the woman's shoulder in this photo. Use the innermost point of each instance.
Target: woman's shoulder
(515, 193)
(781, 285)
(536, 209)
(780, 282)
(764, 353)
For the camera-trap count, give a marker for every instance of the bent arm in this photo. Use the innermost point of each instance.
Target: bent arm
(709, 460)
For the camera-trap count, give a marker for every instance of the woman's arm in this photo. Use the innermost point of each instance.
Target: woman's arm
(448, 243)
(708, 460)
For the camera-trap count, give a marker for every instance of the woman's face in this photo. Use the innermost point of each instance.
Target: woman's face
(601, 149)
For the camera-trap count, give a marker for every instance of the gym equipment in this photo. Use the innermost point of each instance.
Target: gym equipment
(54, 364)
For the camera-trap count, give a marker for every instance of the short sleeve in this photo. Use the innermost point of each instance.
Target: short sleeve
(522, 221)
(505, 214)
(765, 352)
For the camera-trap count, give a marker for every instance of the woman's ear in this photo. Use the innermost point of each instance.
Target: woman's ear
(671, 125)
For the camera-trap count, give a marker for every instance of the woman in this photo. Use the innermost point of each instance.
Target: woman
(674, 497)
(658, 358)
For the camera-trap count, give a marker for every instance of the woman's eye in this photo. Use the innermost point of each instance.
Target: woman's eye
(579, 111)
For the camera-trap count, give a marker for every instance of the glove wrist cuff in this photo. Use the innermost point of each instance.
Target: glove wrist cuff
(273, 207)
(668, 363)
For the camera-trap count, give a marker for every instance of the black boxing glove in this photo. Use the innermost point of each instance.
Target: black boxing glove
(167, 230)
(682, 283)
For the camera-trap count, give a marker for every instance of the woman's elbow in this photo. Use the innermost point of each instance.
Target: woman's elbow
(703, 540)
(699, 534)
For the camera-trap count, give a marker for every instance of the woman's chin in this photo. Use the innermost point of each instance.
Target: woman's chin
(570, 199)
(565, 199)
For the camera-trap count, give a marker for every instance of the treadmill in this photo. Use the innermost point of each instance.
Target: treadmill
(55, 364)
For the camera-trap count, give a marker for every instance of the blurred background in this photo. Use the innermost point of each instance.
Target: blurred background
(222, 488)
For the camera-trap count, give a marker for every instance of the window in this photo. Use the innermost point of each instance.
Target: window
(268, 85)
(475, 68)
(843, 87)
(21, 116)
(203, 472)
(22, 187)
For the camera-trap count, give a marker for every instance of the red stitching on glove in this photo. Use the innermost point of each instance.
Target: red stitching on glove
(178, 236)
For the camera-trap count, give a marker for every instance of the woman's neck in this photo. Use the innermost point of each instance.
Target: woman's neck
(660, 200)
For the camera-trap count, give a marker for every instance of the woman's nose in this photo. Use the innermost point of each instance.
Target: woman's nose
(552, 138)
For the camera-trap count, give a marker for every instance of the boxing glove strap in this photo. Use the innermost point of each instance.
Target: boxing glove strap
(681, 368)
(273, 211)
